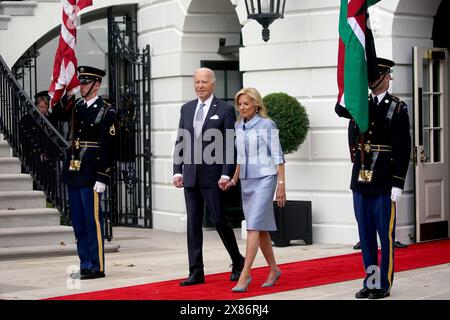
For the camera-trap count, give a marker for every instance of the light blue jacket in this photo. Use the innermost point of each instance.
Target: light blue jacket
(258, 147)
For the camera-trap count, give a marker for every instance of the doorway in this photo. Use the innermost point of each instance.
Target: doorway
(431, 132)
(431, 139)
(228, 83)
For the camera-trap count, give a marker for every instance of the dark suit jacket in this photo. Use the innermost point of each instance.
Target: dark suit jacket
(221, 116)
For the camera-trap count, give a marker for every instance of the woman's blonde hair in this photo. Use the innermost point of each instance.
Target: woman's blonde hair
(257, 99)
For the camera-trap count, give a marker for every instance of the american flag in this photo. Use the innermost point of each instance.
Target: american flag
(64, 78)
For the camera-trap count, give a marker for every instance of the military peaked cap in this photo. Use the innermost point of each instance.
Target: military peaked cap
(87, 74)
(384, 65)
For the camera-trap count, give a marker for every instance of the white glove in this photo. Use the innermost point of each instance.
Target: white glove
(99, 187)
(395, 193)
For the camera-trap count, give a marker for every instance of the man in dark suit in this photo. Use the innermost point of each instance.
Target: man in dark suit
(204, 123)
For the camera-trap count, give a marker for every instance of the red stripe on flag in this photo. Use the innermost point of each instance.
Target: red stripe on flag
(84, 3)
(340, 71)
(64, 75)
(354, 7)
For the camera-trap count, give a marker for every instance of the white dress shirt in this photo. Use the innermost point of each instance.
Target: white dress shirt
(91, 101)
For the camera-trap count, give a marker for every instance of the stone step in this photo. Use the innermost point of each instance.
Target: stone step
(16, 182)
(5, 149)
(29, 218)
(47, 251)
(9, 165)
(36, 236)
(22, 199)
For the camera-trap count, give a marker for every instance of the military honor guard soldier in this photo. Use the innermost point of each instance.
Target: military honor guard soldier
(381, 158)
(87, 171)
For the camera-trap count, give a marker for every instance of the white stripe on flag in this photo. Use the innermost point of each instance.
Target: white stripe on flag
(68, 37)
(358, 32)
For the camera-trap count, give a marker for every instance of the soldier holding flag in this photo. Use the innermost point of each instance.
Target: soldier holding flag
(381, 158)
(380, 143)
(87, 169)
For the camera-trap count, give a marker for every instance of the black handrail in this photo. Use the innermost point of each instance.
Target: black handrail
(33, 139)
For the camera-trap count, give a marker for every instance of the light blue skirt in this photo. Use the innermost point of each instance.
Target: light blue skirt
(257, 202)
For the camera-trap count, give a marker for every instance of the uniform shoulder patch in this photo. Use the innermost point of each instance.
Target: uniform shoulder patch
(402, 106)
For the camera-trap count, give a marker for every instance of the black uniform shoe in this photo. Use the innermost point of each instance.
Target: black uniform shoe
(193, 279)
(398, 244)
(79, 273)
(93, 275)
(236, 270)
(357, 246)
(363, 293)
(378, 294)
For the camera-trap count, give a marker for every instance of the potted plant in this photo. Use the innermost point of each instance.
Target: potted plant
(294, 221)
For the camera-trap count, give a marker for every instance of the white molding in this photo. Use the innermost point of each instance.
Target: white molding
(4, 20)
(18, 8)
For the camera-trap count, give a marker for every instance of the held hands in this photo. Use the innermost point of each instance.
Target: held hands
(230, 184)
(99, 187)
(223, 183)
(395, 194)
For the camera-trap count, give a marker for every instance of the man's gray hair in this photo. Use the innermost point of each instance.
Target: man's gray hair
(213, 75)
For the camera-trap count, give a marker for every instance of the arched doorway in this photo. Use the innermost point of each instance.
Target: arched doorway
(212, 36)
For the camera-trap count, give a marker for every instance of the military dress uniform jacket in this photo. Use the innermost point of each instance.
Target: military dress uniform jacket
(391, 140)
(94, 140)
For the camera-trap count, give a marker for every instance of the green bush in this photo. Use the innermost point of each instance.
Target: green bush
(290, 117)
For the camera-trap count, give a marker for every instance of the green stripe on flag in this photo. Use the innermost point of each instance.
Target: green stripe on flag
(355, 70)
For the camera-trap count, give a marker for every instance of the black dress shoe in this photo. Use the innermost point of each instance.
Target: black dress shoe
(79, 273)
(193, 279)
(236, 270)
(398, 244)
(378, 294)
(357, 246)
(93, 275)
(363, 293)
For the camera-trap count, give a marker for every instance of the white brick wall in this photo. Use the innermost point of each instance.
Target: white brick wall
(299, 59)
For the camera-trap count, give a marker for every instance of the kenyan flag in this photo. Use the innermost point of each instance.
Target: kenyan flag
(356, 59)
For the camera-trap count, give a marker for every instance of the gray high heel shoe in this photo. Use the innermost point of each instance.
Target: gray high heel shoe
(270, 284)
(244, 288)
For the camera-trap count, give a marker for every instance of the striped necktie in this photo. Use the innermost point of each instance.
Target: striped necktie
(198, 121)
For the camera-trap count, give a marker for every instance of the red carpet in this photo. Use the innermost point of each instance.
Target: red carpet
(296, 275)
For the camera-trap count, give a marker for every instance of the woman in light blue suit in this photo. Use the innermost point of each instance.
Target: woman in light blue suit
(260, 167)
